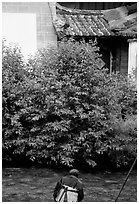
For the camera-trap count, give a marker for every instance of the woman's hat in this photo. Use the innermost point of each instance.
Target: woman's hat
(74, 172)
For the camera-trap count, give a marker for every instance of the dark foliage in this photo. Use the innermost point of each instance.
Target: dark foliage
(61, 109)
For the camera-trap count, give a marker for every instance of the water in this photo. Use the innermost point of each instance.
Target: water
(37, 185)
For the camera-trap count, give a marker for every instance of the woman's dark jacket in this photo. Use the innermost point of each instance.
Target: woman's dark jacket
(71, 181)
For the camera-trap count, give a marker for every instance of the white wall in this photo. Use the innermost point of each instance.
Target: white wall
(132, 55)
(30, 24)
(20, 28)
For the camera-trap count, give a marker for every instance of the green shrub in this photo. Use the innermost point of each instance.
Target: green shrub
(123, 143)
(62, 108)
(12, 80)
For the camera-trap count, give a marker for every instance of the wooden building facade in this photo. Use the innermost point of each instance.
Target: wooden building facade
(112, 24)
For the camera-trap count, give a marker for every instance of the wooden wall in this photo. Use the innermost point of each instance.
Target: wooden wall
(118, 48)
(124, 58)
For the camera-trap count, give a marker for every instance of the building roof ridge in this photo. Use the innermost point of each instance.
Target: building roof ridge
(71, 11)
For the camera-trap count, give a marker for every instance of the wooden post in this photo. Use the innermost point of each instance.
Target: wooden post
(111, 58)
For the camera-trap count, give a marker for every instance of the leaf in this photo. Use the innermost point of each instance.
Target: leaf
(91, 162)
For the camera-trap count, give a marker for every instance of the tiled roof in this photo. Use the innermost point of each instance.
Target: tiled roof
(124, 23)
(95, 23)
(128, 29)
(82, 22)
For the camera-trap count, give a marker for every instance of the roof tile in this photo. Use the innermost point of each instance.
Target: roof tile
(83, 22)
(112, 22)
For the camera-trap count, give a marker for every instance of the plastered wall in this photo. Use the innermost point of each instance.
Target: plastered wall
(45, 11)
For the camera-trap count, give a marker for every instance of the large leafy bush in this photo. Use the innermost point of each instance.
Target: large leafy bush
(62, 108)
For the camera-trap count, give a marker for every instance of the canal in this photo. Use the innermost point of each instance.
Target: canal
(37, 185)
